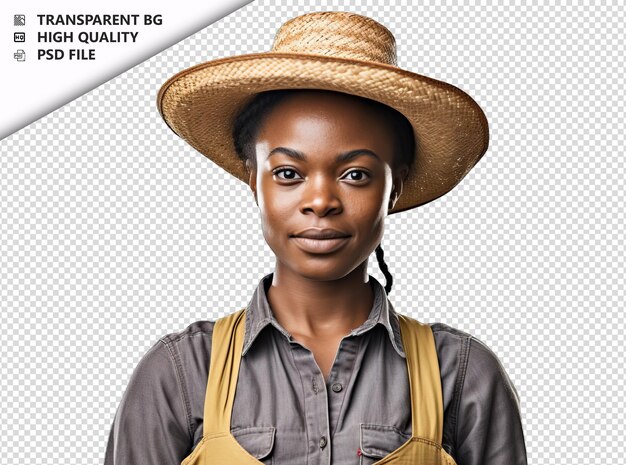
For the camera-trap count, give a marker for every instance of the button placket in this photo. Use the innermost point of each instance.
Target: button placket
(342, 373)
(316, 406)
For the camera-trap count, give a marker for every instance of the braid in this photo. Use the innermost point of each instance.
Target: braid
(383, 267)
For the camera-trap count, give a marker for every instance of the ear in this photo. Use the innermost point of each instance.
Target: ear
(252, 181)
(398, 182)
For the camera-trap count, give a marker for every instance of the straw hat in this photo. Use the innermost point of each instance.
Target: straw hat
(343, 52)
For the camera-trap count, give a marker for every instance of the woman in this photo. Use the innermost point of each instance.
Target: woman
(319, 368)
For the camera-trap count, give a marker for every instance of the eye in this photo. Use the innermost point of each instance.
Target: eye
(289, 173)
(361, 175)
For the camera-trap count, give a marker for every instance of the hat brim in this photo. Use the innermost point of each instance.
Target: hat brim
(451, 132)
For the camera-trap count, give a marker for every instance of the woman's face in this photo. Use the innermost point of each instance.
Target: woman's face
(324, 161)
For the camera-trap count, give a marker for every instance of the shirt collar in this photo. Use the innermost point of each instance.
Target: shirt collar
(259, 315)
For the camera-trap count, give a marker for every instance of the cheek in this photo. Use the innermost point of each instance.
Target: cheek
(370, 208)
(369, 214)
(276, 209)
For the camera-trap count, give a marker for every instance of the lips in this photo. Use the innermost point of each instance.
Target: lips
(315, 240)
(320, 234)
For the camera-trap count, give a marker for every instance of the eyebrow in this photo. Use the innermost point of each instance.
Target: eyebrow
(342, 157)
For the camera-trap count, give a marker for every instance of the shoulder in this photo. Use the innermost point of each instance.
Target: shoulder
(479, 355)
(480, 370)
(172, 363)
(452, 350)
(189, 351)
(170, 354)
(447, 336)
(477, 393)
(484, 420)
(197, 333)
(486, 374)
(177, 347)
(161, 393)
(173, 373)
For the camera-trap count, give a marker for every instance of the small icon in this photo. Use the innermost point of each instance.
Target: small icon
(20, 55)
(19, 37)
(19, 20)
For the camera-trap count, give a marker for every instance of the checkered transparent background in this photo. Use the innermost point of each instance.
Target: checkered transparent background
(114, 232)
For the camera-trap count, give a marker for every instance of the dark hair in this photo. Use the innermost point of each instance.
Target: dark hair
(250, 117)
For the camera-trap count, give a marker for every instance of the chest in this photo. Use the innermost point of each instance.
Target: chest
(339, 394)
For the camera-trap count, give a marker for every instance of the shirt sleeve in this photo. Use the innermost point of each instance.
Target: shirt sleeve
(489, 428)
(150, 424)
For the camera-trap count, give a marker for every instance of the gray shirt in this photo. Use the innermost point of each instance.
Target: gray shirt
(286, 413)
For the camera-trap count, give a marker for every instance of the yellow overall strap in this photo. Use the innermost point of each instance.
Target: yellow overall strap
(424, 379)
(226, 347)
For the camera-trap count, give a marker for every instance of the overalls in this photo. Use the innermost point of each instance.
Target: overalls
(219, 447)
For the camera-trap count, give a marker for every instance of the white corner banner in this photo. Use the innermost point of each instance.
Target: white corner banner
(54, 52)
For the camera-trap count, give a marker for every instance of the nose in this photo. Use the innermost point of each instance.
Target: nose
(321, 197)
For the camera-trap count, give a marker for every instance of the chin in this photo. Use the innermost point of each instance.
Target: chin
(318, 267)
(323, 269)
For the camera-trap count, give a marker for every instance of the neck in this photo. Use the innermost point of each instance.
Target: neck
(313, 309)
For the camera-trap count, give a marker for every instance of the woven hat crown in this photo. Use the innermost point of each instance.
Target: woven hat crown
(338, 34)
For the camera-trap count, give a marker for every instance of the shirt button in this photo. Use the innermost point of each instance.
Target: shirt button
(337, 387)
(322, 442)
